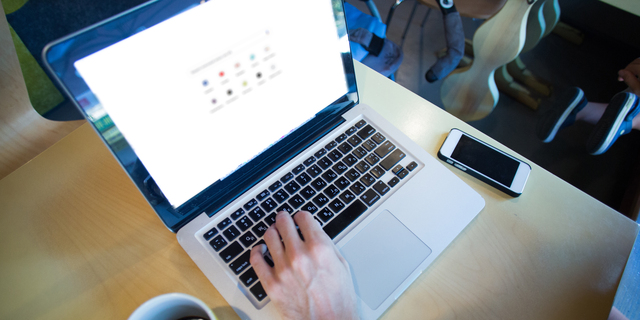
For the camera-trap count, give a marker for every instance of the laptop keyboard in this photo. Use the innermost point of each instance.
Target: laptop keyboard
(337, 184)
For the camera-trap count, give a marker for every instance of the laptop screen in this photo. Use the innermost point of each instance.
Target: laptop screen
(200, 94)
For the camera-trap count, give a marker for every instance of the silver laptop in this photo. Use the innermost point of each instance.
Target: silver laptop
(226, 112)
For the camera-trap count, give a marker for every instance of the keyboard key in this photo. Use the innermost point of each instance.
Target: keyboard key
(347, 197)
(377, 171)
(231, 252)
(362, 166)
(269, 205)
(336, 205)
(350, 160)
(298, 169)
(372, 159)
(244, 223)
(280, 196)
(324, 163)
(252, 203)
(334, 155)
(258, 292)
(292, 187)
(366, 132)
(378, 138)
(307, 193)
(320, 153)
(257, 214)
(237, 214)
(287, 177)
(225, 223)
(397, 169)
(343, 220)
(296, 201)
(340, 167)
(357, 188)
(331, 191)
(392, 159)
(312, 208)
(320, 200)
(360, 152)
(262, 195)
(309, 161)
(353, 175)
(268, 259)
(319, 221)
(345, 148)
(351, 130)
(384, 149)
(303, 179)
(210, 234)
(403, 174)
(367, 180)
(218, 243)
(341, 138)
(354, 141)
(248, 277)
(412, 165)
(259, 229)
(285, 207)
(393, 182)
(231, 233)
(370, 197)
(329, 176)
(369, 145)
(248, 239)
(270, 219)
(342, 183)
(381, 187)
(325, 214)
(360, 124)
(318, 184)
(275, 186)
(240, 264)
(331, 145)
(314, 171)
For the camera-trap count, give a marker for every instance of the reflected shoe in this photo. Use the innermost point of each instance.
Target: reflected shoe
(616, 121)
(561, 115)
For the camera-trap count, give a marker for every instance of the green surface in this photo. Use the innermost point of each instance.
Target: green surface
(43, 95)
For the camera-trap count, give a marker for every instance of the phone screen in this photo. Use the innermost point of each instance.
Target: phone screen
(485, 160)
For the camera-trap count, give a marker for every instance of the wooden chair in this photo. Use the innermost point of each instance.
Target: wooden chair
(23, 132)
(471, 93)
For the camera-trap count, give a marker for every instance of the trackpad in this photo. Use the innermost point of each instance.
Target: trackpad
(382, 256)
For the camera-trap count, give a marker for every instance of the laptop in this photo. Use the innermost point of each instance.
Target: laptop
(226, 112)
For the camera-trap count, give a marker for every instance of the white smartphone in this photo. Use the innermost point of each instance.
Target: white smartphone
(485, 162)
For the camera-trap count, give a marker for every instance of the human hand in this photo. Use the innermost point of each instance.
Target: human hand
(310, 279)
(630, 76)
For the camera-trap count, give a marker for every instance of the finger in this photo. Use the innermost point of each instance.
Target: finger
(309, 227)
(634, 67)
(631, 80)
(288, 231)
(274, 244)
(260, 266)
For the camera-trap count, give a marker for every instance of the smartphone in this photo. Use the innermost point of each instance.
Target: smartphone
(485, 162)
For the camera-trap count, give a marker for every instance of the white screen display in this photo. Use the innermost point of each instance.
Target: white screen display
(202, 93)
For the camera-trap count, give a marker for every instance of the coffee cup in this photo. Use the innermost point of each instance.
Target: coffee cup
(173, 306)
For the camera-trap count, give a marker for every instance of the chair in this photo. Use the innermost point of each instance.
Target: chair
(23, 132)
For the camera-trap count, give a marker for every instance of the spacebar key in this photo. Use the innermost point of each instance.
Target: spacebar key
(345, 218)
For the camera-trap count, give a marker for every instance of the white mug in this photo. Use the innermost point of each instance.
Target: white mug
(172, 306)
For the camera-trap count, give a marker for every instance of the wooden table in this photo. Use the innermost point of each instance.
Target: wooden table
(78, 241)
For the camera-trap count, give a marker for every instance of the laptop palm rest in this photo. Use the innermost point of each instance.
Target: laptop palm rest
(378, 273)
